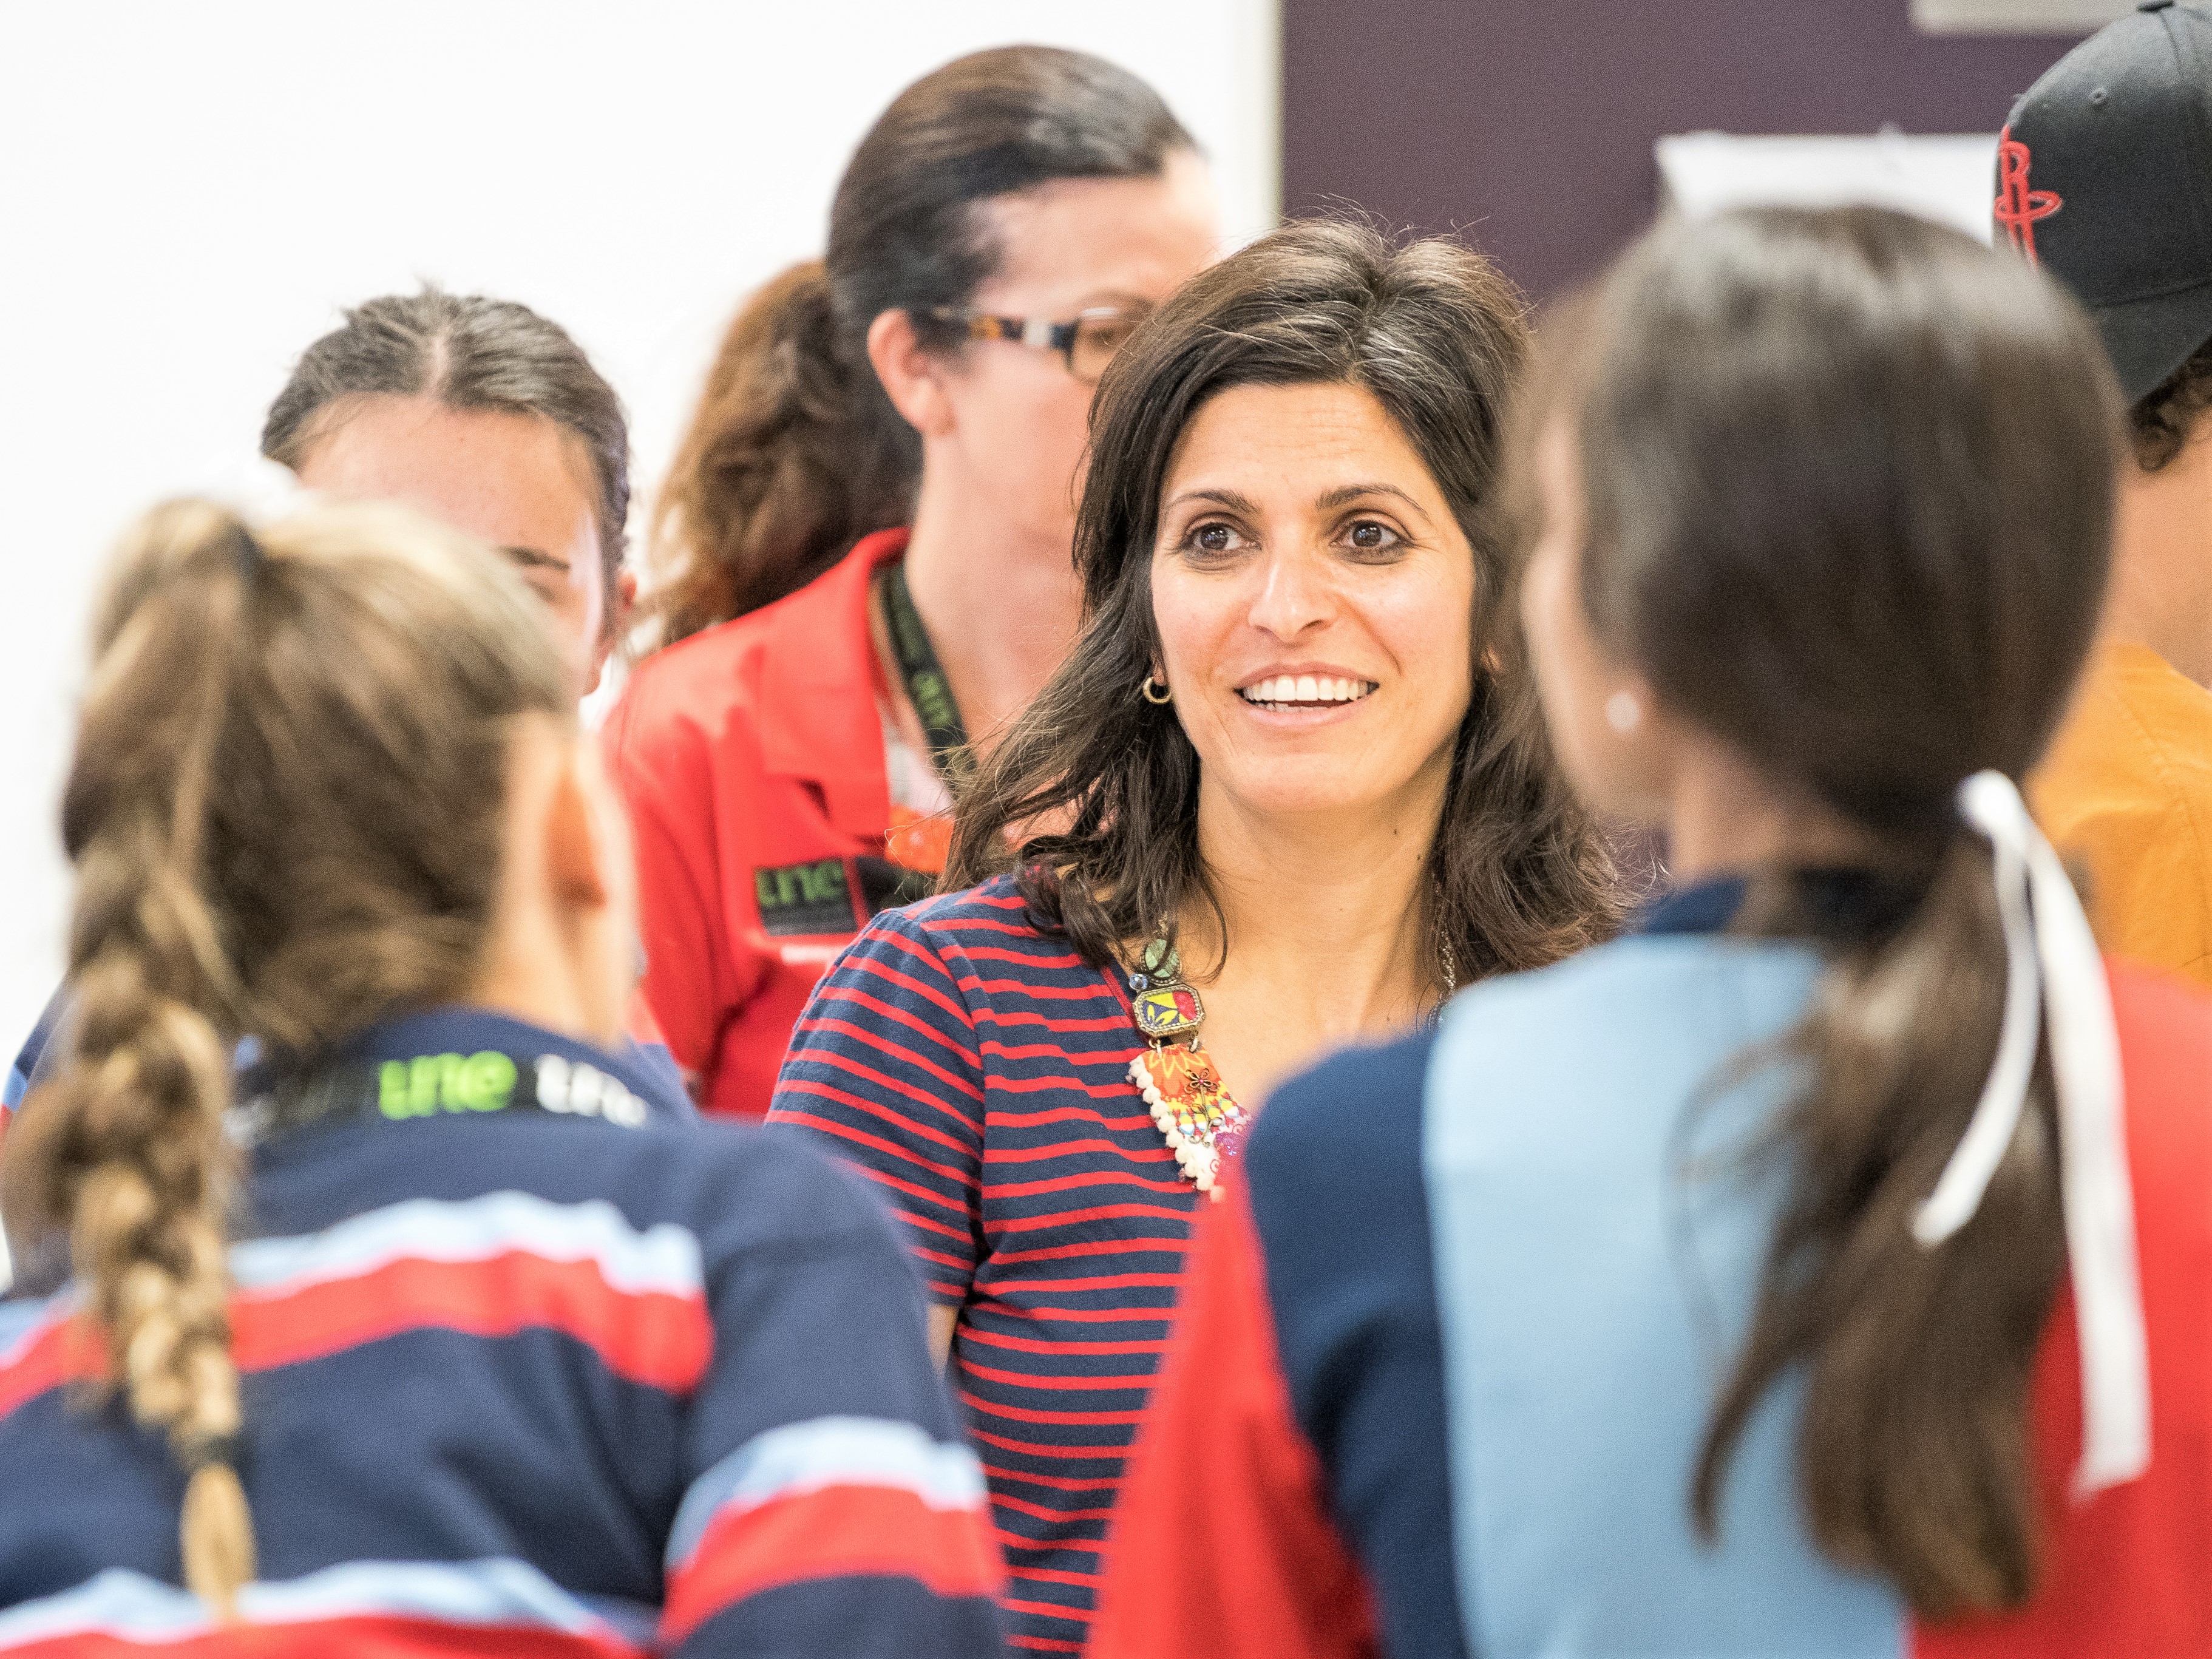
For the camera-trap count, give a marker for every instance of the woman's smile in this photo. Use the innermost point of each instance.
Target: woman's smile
(1298, 697)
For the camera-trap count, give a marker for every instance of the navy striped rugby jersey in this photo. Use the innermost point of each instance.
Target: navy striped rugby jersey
(526, 1381)
(977, 1070)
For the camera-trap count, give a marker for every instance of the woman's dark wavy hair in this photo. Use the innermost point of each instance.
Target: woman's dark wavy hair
(1434, 332)
(1848, 482)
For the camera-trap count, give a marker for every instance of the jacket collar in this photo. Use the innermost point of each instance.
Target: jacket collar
(820, 670)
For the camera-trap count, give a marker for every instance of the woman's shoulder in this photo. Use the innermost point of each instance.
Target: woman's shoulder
(737, 672)
(994, 914)
(977, 953)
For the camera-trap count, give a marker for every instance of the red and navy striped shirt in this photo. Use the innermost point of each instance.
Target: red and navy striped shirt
(527, 1382)
(976, 1068)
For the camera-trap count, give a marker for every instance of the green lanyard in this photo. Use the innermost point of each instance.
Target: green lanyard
(927, 688)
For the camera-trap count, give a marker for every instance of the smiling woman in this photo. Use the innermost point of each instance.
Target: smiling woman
(1288, 791)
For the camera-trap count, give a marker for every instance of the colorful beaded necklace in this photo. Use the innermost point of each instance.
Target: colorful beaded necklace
(1200, 1121)
(1203, 1126)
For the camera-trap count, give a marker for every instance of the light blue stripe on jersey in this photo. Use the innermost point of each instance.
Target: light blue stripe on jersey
(829, 1451)
(128, 1606)
(1592, 1297)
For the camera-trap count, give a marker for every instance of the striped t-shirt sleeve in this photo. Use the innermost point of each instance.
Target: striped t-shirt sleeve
(832, 1506)
(883, 1066)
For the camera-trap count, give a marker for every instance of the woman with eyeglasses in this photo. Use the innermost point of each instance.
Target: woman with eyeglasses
(864, 548)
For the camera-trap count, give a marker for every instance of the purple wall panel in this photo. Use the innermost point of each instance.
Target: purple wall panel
(1529, 126)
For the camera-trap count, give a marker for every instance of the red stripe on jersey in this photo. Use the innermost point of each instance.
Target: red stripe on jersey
(1083, 1419)
(865, 1007)
(44, 1360)
(1061, 1024)
(1052, 1051)
(790, 1112)
(1098, 1212)
(1047, 1576)
(1056, 1483)
(1070, 1252)
(1061, 1379)
(1071, 1183)
(1053, 1449)
(922, 1094)
(991, 953)
(652, 1337)
(1051, 1610)
(832, 1532)
(1108, 1088)
(1057, 1344)
(1049, 993)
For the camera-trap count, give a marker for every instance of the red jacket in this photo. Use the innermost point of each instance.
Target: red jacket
(752, 758)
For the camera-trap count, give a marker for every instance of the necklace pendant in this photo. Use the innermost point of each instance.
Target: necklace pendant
(1167, 1012)
(1202, 1126)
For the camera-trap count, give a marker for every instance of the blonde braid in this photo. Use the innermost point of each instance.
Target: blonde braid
(140, 1167)
(281, 825)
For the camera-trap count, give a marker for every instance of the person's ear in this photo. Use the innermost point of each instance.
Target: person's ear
(912, 376)
(579, 850)
(622, 603)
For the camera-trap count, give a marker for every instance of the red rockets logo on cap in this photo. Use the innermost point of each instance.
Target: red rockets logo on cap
(2018, 206)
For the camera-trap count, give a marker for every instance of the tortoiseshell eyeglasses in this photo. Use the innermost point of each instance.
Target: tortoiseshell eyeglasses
(1085, 344)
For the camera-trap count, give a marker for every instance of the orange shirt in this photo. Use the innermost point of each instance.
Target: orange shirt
(2126, 794)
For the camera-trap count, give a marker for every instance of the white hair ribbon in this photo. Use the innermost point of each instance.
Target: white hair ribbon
(263, 490)
(2052, 962)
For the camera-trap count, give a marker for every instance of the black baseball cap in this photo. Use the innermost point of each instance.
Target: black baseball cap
(2104, 180)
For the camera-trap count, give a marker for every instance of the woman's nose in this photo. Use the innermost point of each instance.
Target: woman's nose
(1294, 594)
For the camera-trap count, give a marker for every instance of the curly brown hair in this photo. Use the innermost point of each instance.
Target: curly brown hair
(2162, 421)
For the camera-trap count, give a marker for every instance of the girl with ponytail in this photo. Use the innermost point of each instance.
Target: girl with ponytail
(445, 1335)
(1817, 1269)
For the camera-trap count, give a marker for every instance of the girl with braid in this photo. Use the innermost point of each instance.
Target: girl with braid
(443, 1340)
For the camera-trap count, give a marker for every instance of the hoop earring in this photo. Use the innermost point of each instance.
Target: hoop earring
(1624, 712)
(1166, 695)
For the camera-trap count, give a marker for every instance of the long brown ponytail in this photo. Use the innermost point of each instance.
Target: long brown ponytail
(793, 455)
(281, 828)
(1849, 480)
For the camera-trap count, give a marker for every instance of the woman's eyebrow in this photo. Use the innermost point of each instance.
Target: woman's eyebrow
(1228, 498)
(1344, 495)
(534, 558)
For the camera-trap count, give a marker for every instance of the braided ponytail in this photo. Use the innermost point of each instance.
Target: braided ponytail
(272, 838)
(136, 1160)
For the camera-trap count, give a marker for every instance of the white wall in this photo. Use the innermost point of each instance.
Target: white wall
(188, 192)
